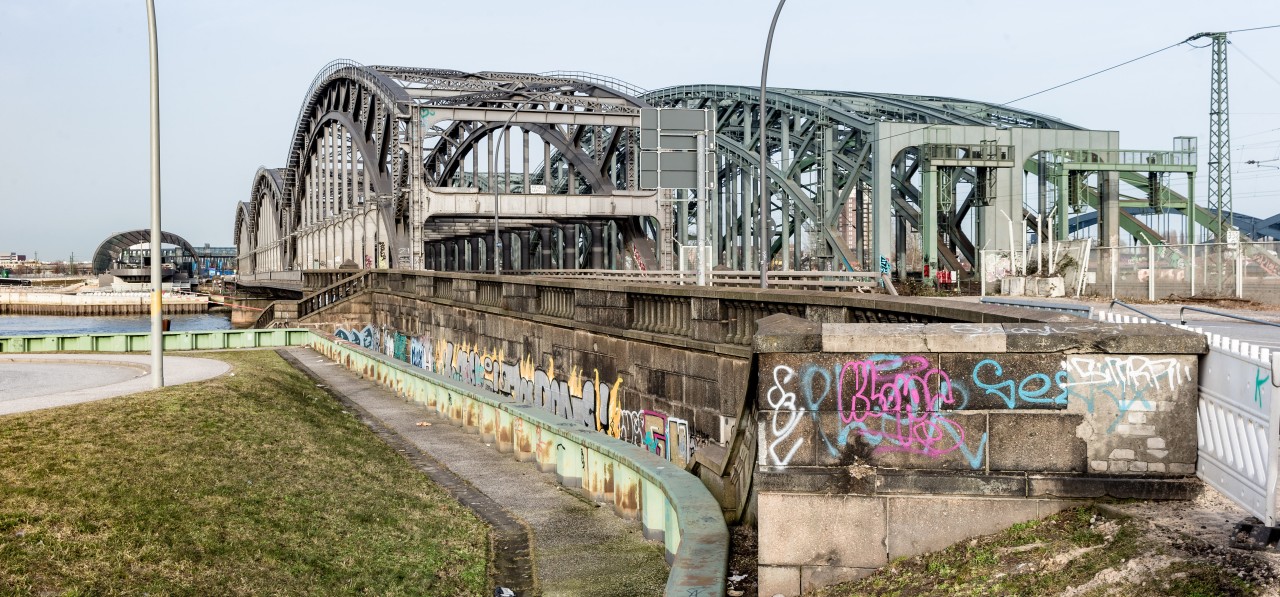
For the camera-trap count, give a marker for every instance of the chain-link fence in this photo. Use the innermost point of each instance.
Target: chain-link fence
(1249, 270)
(1242, 270)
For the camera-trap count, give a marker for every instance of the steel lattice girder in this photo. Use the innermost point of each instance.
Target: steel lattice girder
(848, 119)
(400, 130)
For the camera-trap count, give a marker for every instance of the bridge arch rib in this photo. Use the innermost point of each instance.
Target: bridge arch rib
(370, 144)
(108, 252)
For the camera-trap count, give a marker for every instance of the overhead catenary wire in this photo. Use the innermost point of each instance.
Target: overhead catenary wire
(1082, 78)
(1236, 47)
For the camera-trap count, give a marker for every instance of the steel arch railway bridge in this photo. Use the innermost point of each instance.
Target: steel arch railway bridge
(420, 168)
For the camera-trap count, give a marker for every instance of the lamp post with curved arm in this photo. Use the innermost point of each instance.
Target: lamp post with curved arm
(764, 164)
(493, 167)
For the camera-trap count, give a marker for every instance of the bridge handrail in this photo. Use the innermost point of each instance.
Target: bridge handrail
(698, 542)
(346, 287)
(1083, 311)
(1136, 310)
(839, 279)
(265, 317)
(598, 79)
(1182, 317)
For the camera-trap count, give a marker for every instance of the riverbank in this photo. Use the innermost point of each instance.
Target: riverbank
(69, 325)
(103, 303)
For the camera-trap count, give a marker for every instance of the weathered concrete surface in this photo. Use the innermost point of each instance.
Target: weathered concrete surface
(38, 381)
(896, 439)
(578, 547)
(675, 361)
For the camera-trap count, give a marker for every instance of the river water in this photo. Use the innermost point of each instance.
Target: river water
(36, 325)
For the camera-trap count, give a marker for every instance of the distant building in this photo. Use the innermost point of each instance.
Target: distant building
(215, 261)
(12, 259)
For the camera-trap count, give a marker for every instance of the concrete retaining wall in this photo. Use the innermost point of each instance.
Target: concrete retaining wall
(672, 505)
(36, 303)
(670, 398)
(663, 367)
(885, 441)
(141, 341)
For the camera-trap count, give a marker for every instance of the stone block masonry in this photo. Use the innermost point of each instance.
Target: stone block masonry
(664, 367)
(915, 436)
(665, 398)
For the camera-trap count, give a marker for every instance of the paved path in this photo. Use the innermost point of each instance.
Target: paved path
(35, 381)
(579, 548)
(1261, 335)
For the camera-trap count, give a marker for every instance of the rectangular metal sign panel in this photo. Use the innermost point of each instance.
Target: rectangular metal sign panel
(669, 146)
(677, 142)
(649, 139)
(668, 169)
(676, 119)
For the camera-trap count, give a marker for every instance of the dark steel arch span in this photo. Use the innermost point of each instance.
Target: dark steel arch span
(109, 250)
(369, 143)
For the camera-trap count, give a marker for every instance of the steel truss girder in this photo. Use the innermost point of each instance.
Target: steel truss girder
(384, 143)
(849, 118)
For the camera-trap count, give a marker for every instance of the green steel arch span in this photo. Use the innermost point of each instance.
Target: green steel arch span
(823, 185)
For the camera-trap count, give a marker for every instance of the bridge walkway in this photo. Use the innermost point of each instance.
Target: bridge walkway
(579, 548)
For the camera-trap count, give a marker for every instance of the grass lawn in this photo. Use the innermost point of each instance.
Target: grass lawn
(256, 483)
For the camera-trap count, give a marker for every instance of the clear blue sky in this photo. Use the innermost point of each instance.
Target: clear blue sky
(74, 162)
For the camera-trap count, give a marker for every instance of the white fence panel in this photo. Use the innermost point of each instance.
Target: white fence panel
(1238, 424)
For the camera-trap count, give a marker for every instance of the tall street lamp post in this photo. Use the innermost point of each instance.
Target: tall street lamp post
(157, 305)
(493, 167)
(763, 233)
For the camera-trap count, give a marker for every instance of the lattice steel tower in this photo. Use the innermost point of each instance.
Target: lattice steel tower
(1219, 138)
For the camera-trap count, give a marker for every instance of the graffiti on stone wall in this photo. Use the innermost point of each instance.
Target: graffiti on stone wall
(783, 419)
(908, 404)
(1129, 382)
(570, 392)
(896, 404)
(979, 329)
(368, 337)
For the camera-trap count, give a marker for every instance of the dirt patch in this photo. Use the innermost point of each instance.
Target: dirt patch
(743, 580)
(1086, 551)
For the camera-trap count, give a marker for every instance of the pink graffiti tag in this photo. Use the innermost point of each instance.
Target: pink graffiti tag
(894, 404)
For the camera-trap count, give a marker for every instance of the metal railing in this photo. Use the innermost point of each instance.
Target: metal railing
(1133, 157)
(334, 293)
(266, 318)
(1182, 318)
(598, 79)
(1136, 310)
(1081, 310)
(857, 281)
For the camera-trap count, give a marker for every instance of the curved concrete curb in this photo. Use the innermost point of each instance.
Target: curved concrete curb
(672, 505)
(512, 563)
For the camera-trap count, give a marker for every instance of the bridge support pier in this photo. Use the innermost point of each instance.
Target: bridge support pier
(596, 228)
(1003, 457)
(569, 246)
(526, 240)
(544, 247)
